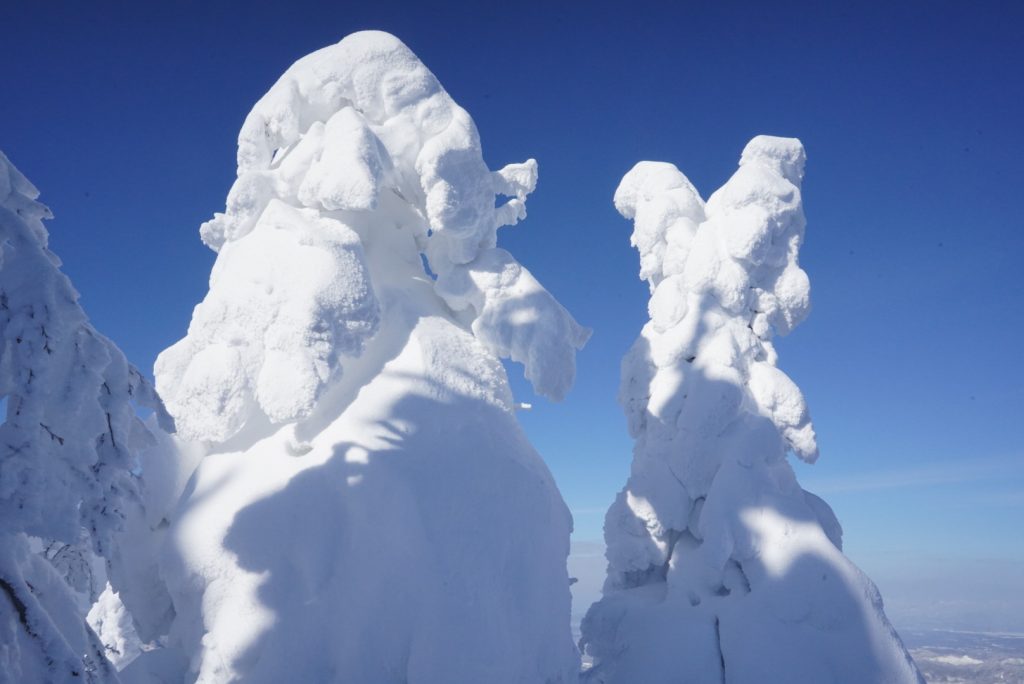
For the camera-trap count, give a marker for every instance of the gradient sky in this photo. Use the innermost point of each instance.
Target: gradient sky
(126, 115)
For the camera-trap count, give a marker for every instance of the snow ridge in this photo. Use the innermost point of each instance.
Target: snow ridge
(717, 559)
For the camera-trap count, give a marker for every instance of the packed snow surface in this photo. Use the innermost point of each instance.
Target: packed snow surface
(368, 509)
(720, 566)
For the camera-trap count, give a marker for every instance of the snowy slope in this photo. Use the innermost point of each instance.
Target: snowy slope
(720, 566)
(369, 509)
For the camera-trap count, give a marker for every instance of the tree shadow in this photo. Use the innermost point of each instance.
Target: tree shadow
(429, 549)
(745, 580)
(820, 620)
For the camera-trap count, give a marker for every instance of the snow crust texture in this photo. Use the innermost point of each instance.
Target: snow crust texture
(345, 133)
(367, 508)
(69, 447)
(720, 566)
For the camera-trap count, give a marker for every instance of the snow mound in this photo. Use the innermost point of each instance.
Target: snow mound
(369, 509)
(285, 305)
(720, 567)
(345, 131)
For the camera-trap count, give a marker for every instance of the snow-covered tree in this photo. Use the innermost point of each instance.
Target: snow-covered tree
(720, 566)
(68, 448)
(369, 509)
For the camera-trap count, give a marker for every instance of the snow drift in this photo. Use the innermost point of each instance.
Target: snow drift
(369, 509)
(720, 566)
(70, 448)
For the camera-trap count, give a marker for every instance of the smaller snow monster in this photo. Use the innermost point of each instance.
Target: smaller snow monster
(720, 566)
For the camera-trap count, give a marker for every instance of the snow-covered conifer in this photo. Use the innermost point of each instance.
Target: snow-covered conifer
(369, 509)
(720, 566)
(68, 449)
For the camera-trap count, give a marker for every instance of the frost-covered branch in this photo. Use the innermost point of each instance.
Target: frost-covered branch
(64, 476)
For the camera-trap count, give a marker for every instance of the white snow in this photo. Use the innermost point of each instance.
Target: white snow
(115, 628)
(720, 567)
(368, 508)
(70, 445)
(285, 305)
(517, 318)
(344, 493)
(962, 661)
(356, 133)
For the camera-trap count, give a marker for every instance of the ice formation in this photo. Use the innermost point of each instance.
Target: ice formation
(69, 451)
(355, 133)
(720, 566)
(369, 509)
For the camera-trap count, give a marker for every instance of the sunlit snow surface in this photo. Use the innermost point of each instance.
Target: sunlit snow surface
(368, 509)
(354, 142)
(720, 566)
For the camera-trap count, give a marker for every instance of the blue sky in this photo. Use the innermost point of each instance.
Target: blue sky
(126, 116)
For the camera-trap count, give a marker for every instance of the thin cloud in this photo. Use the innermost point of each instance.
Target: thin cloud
(935, 475)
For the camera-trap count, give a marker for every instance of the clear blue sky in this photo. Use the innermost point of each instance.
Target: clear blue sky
(125, 115)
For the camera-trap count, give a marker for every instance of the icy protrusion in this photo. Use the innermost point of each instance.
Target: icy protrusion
(720, 567)
(517, 318)
(349, 166)
(664, 206)
(343, 128)
(114, 627)
(286, 304)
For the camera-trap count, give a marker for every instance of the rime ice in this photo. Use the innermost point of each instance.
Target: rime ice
(69, 446)
(720, 567)
(369, 510)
